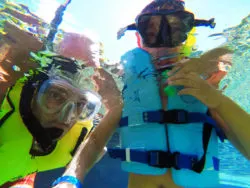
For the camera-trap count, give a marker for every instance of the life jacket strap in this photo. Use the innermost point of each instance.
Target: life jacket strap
(159, 159)
(10, 111)
(176, 116)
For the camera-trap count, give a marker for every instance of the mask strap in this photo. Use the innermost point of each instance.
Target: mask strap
(208, 23)
(122, 31)
(31, 122)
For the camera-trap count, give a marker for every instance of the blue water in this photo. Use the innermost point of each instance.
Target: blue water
(235, 169)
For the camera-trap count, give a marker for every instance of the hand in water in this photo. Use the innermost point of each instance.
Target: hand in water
(194, 85)
(205, 65)
(107, 88)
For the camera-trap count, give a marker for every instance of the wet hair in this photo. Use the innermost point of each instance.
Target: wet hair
(177, 5)
(66, 64)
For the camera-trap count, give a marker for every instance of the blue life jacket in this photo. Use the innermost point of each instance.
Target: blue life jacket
(183, 138)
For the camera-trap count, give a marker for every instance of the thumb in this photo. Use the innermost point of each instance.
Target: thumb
(216, 53)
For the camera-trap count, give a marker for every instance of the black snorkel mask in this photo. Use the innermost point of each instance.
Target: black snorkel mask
(165, 28)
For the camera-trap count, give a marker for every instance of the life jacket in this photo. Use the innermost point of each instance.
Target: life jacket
(26, 182)
(152, 140)
(16, 160)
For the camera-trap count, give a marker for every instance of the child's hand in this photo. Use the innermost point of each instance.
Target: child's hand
(107, 88)
(208, 63)
(194, 85)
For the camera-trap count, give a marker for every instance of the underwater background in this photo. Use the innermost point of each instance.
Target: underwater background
(234, 168)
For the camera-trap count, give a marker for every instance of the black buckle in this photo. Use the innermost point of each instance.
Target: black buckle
(195, 165)
(175, 116)
(193, 162)
(157, 159)
(175, 160)
(161, 159)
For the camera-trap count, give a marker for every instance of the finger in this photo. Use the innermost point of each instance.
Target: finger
(99, 75)
(184, 82)
(194, 76)
(189, 76)
(215, 53)
(187, 65)
(174, 70)
(182, 61)
(184, 69)
(180, 75)
(106, 75)
(197, 78)
(97, 78)
(176, 77)
(190, 91)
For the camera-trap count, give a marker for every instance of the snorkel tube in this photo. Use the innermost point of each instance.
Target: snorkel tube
(55, 24)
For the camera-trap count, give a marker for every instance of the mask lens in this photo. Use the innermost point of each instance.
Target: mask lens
(92, 107)
(53, 96)
(169, 32)
(185, 21)
(149, 27)
(60, 99)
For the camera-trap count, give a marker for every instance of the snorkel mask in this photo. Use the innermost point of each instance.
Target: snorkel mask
(63, 95)
(161, 27)
(66, 102)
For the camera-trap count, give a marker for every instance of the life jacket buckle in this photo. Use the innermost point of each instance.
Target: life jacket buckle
(193, 162)
(175, 162)
(161, 159)
(157, 158)
(176, 116)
